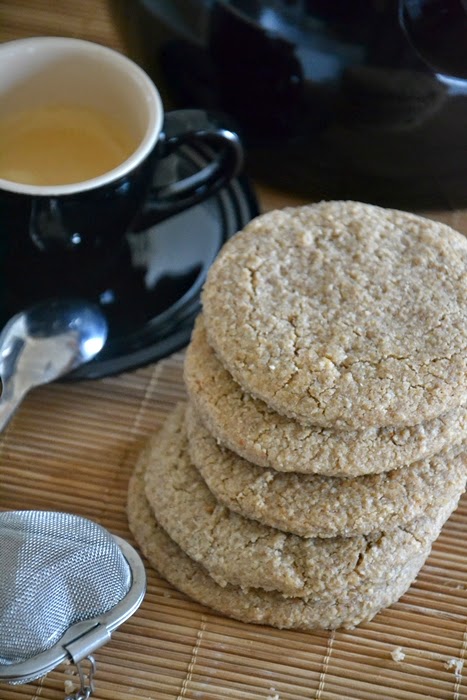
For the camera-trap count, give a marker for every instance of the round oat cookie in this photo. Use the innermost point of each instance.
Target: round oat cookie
(245, 553)
(343, 315)
(320, 506)
(249, 427)
(252, 605)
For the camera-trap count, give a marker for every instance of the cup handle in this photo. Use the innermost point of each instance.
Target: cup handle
(192, 127)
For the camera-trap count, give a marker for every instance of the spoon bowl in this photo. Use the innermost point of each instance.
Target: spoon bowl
(45, 342)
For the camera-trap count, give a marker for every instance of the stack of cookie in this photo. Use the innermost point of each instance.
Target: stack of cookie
(322, 447)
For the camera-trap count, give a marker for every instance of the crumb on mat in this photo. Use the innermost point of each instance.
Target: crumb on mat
(455, 665)
(397, 654)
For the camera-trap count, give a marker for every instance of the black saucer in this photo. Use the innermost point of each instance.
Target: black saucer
(154, 295)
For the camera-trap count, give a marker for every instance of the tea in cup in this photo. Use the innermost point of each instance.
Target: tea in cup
(60, 144)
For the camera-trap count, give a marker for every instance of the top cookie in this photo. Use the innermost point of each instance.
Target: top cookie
(343, 315)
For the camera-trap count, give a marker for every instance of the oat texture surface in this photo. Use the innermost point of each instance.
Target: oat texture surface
(242, 552)
(318, 506)
(343, 314)
(261, 435)
(252, 605)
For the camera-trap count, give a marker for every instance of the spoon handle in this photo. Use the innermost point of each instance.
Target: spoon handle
(8, 406)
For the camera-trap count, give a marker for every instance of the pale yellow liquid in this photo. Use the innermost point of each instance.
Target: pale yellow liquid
(61, 144)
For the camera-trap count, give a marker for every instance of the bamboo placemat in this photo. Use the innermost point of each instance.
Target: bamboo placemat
(72, 447)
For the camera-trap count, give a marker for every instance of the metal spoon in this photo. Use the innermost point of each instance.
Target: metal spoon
(43, 343)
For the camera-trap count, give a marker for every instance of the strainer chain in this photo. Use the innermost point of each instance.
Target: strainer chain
(86, 680)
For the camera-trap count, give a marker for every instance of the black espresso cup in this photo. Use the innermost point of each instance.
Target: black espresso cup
(82, 133)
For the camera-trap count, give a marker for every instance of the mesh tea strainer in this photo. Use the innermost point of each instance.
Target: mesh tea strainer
(65, 584)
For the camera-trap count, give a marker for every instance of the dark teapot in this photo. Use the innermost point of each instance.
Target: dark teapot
(362, 99)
